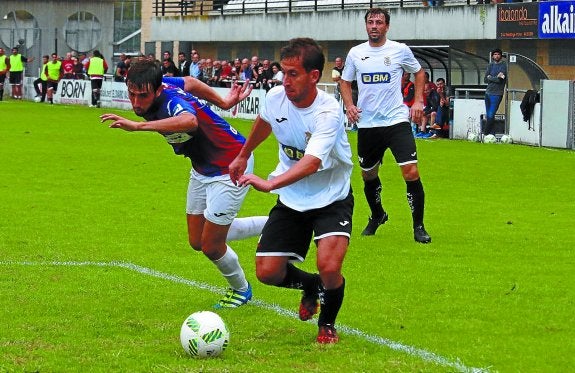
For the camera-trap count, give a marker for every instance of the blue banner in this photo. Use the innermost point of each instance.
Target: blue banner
(557, 20)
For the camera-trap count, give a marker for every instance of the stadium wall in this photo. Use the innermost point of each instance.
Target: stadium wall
(56, 26)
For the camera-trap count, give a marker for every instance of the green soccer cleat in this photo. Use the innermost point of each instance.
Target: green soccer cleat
(235, 298)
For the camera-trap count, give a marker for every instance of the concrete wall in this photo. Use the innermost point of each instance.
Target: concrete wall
(51, 17)
(406, 24)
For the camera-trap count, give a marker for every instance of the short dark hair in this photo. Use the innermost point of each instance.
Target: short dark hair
(144, 74)
(376, 11)
(497, 50)
(440, 80)
(310, 53)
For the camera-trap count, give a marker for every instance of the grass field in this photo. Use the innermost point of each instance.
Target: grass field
(96, 274)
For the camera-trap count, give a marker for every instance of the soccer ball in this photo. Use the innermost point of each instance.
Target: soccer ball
(506, 139)
(37, 99)
(489, 139)
(473, 137)
(204, 334)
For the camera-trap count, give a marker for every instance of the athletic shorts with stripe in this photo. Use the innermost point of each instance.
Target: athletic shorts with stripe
(289, 232)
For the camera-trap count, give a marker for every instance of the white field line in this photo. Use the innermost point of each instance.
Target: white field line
(409, 350)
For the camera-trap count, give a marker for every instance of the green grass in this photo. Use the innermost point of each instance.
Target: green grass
(494, 290)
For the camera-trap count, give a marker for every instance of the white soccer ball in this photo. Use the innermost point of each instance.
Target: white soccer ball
(473, 137)
(204, 334)
(489, 139)
(37, 99)
(506, 139)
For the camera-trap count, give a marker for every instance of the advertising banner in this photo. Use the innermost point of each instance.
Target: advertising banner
(557, 20)
(115, 95)
(73, 92)
(537, 20)
(517, 21)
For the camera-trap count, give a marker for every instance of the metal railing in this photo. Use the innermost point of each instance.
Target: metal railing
(216, 7)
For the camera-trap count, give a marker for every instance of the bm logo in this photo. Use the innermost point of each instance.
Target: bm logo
(375, 78)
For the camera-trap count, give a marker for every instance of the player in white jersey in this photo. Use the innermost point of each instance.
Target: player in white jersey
(312, 180)
(382, 119)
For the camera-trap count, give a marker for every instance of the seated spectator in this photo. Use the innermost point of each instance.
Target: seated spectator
(121, 69)
(441, 124)
(431, 103)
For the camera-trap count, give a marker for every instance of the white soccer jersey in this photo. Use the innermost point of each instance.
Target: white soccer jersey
(319, 131)
(378, 71)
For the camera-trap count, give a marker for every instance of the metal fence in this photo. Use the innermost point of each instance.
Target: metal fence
(215, 7)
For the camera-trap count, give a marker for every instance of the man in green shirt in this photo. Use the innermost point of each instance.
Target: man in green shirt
(17, 62)
(4, 68)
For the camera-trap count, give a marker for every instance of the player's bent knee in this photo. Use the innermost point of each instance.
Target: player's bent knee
(268, 276)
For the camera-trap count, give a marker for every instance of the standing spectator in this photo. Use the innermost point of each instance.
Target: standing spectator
(428, 81)
(312, 180)
(121, 69)
(215, 77)
(17, 62)
(67, 66)
(207, 70)
(278, 75)
(495, 77)
(78, 68)
(168, 68)
(407, 89)
(267, 71)
(183, 64)
(336, 77)
(83, 58)
(195, 68)
(4, 68)
(96, 68)
(42, 81)
(196, 132)
(226, 74)
(382, 118)
(245, 71)
(54, 71)
(254, 66)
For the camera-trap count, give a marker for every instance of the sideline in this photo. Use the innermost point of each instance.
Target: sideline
(409, 350)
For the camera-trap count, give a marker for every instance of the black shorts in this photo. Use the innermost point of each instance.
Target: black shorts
(373, 142)
(15, 77)
(53, 85)
(289, 232)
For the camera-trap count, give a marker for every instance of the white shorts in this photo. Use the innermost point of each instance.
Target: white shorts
(216, 197)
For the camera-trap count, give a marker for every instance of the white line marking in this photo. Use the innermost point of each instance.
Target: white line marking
(410, 350)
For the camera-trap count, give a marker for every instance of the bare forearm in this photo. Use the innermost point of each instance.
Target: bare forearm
(306, 166)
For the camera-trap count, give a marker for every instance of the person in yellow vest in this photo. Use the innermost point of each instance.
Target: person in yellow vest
(17, 62)
(96, 68)
(41, 84)
(54, 72)
(4, 68)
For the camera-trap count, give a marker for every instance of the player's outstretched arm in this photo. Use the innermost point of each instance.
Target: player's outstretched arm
(202, 90)
(181, 123)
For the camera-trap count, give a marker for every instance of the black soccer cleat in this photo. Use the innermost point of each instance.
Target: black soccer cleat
(373, 224)
(420, 235)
